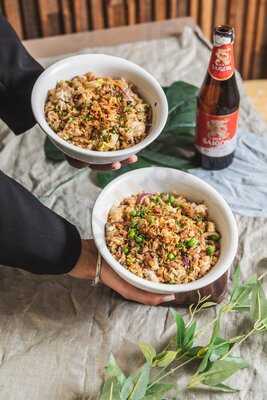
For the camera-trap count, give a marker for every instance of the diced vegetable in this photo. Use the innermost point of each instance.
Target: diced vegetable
(193, 242)
(171, 256)
(210, 250)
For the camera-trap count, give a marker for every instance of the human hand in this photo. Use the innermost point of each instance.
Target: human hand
(85, 269)
(102, 167)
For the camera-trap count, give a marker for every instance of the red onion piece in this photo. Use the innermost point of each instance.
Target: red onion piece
(186, 261)
(141, 197)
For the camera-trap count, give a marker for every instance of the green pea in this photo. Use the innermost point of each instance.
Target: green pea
(126, 250)
(132, 233)
(171, 199)
(171, 256)
(215, 237)
(133, 213)
(139, 239)
(210, 250)
(142, 213)
(193, 242)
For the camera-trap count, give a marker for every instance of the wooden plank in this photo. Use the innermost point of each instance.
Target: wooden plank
(248, 44)
(12, 12)
(31, 22)
(182, 8)
(81, 15)
(66, 13)
(206, 17)
(160, 10)
(97, 14)
(173, 9)
(220, 12)
(145, 10)
(49, 15)
(74, 42)
(259, 52)
(116, 13)
(194, 9)
(236, 19)
(131, 12)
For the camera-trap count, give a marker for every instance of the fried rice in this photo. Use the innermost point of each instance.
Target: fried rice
(163, 237)
(98, 113)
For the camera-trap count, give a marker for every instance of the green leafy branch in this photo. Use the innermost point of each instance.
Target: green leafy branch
(213, 363)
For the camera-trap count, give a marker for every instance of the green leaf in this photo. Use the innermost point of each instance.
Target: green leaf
(208, 304)
(180, 329)
(110, 390)
(164, 359)
(52, 152)
(113, 370)
(140, 383)
(236, 279)
(258, 303)
(221, 370)
(157, 391)
(148, 351)
(219, 348)
(166, 160)
(221, 387)
(127, 388)
(189, 335)
(240, 297)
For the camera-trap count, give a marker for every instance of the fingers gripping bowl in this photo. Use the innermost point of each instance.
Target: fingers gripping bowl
(165, 180)
(102, 66)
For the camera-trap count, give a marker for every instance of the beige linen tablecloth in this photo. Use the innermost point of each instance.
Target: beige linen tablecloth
(56, 332)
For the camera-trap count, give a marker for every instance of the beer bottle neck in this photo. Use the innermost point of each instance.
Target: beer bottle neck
(221, 66)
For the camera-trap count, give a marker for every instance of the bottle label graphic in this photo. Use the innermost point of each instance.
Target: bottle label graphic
(221, 66)
(216, 134)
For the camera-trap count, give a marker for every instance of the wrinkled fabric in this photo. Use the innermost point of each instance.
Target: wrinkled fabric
(56, 333)
(244, 183)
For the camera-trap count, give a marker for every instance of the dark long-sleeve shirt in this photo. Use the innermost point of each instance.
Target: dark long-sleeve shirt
(32, 237)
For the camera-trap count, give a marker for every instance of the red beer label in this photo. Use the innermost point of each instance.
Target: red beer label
(216, 134)
(221, 66)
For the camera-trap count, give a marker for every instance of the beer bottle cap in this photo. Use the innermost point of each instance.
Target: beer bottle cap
(223, 34)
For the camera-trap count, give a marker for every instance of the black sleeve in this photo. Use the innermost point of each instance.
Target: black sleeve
(32, 237)
(18, 72)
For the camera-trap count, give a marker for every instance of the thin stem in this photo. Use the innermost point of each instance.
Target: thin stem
(171, 371)
(239, 343)
(164, 369)
(262, 276)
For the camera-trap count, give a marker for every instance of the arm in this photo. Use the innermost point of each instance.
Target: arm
(32, 237)
(18, 73)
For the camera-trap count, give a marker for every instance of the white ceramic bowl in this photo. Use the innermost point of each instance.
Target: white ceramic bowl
(102, 65)
(157, 179)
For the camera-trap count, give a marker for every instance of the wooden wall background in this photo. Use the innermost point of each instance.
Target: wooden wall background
(40, 18)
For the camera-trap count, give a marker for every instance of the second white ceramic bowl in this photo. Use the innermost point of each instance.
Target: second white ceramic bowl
(103, 65)
(157, 179)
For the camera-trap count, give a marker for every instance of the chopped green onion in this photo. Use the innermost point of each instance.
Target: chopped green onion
(215, 237)
(210, 250)
(132, 233)
(171, 256)
(193, 242)
(171, 199)
(126, 250)
(139, 238)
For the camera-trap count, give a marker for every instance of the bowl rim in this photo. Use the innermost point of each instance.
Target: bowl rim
(39, 113)
(163, 287)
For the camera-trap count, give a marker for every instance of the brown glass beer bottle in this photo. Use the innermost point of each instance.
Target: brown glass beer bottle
(218, 104)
